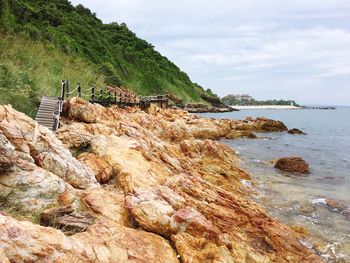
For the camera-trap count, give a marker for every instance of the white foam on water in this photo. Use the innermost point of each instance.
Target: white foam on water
(318, 201)
(246, 183)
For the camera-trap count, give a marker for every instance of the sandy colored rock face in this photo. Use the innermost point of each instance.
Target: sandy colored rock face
(39, 144)
(190, 190)
(25, 188)
(105, 241)
(292, 164)
(172, 181)
(103, 171)
(109, 204)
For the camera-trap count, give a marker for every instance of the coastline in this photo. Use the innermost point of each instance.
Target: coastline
(267, 107)
(158, 176)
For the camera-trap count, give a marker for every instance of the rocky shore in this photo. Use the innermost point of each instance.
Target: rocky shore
(123, 185)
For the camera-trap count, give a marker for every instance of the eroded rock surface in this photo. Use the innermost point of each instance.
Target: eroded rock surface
(170, 180)
(66, 219)
(105, 241)
(38, 145)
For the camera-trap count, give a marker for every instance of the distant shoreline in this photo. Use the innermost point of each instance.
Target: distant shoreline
(267, 107)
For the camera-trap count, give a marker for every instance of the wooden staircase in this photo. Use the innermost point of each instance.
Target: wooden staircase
(51, 108)
(48, 112)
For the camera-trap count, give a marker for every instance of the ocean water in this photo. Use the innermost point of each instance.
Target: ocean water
(300, 200)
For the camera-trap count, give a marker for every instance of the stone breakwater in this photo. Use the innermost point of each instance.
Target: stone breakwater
(159, 187)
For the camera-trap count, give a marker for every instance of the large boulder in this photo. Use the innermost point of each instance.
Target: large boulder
(292, 164)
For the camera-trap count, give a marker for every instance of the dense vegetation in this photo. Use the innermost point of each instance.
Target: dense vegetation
(231, 100)
(30, 69)
(44, 41)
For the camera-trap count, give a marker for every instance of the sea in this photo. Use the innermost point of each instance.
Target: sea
(301, 200)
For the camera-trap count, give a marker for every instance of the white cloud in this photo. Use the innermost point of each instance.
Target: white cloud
(269, 48)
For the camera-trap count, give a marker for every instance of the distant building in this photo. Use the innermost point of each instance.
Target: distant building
(244, 97)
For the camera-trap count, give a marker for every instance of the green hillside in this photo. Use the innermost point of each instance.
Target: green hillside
(42, 42)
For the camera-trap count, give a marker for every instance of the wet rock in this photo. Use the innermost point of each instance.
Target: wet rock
(337, 206)
(296, 131)
(300, 230)
(292, 164)
(307, 209)
(251, 136)
(269, 125)
(66, 219)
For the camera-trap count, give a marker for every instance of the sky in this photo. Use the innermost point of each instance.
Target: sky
(270, 49)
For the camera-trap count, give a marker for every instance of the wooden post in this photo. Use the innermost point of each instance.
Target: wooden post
(92, 94)
(109, 97)
(79, 90)
(68, 88)
(115, 97)
(101, 95)
(63, 88)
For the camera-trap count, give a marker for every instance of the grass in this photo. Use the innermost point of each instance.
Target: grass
(43, 42)
(16, 209)
(30, 69)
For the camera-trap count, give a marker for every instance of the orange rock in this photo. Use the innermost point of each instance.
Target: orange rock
(173, 180)
(189, 190)
(110, 205)
(103, 171)
(104, 241)
(302, 231)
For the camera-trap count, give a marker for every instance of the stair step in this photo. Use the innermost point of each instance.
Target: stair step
(44, 120)
(48, 105)
(49, 98)
(47, 111)
(42, 114)
(47, 115)
(46, 124)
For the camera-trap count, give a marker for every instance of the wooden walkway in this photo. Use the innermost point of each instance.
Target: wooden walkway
(48, 112)
(50, 108)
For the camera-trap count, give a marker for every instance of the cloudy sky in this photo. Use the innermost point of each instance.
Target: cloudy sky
(296, 49)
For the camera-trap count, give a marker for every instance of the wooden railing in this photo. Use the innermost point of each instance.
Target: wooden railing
(106, 96)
